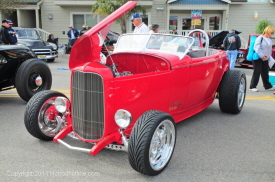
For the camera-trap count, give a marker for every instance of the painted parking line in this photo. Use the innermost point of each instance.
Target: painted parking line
(51, 89)
(13, 93)
(16, 95)
(267, 97)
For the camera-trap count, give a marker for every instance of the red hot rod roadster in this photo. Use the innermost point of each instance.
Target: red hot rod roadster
(132, 102)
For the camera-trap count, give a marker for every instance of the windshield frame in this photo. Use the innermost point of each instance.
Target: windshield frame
(133, 42)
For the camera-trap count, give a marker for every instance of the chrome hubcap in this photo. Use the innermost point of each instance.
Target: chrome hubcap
(38, 81)
(162, 145)
(241, 93)
(47, 118)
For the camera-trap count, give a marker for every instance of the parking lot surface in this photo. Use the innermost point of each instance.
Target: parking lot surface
(211, 146)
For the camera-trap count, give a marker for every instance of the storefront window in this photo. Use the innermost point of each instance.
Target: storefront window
(173, 23)
(187, 25)
(80, 19)
(201, 26)
(214, 23)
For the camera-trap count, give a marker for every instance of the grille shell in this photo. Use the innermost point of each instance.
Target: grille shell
(87, 105)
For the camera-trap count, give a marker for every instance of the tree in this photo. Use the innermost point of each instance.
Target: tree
(262, 24)
(8, 6)
(106, 7)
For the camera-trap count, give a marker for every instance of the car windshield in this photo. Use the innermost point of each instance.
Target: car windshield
(171, 44)
(27, 34)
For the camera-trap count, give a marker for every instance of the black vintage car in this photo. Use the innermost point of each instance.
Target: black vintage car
(30, 38)
(21, 69)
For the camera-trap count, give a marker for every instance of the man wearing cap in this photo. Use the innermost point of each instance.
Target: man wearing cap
(140, 27)
(12, 33)
(5, 37)
(72, 35)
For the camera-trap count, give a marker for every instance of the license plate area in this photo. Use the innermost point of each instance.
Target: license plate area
(41, 57)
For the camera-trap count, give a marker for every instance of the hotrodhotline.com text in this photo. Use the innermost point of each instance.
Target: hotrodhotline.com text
(50, 173)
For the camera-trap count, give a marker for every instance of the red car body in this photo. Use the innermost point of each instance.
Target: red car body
(199, 80)
(150, 88)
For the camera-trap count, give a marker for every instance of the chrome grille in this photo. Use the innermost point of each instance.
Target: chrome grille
(87, 105)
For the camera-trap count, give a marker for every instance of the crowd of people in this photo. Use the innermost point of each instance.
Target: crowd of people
(262, 47)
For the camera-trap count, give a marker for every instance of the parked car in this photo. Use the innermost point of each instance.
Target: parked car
(132, 102)
(20, 69)
(30, 38)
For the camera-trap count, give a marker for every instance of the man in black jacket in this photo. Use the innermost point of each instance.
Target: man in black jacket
(232, 44)
(5, 37)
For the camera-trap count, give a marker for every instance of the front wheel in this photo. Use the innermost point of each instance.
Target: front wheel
(41, 115)
(232, 91)
(152, 142)
(32, 76)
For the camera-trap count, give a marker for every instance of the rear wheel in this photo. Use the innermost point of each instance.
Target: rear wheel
(152, 142)
(33, 76)
(232, 91)
(40, 115)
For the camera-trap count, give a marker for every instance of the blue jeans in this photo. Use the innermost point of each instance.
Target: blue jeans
(232, 57)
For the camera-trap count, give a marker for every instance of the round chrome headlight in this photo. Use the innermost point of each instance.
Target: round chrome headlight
(53, 45)
(61, 104)
(3, 60)
(123, 118)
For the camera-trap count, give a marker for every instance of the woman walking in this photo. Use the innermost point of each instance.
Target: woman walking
(263, 47)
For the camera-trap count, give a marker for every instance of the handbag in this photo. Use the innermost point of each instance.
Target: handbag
(252, 55)
(255, 56)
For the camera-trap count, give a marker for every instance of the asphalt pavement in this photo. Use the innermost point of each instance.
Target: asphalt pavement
(211, 146)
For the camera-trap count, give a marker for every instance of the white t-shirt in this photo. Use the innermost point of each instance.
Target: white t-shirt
(141, 29)
(72, 34)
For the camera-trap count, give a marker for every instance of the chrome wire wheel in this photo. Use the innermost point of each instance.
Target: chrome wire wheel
(162, 145)
(241, 93)
(47, 118)
(41, 118)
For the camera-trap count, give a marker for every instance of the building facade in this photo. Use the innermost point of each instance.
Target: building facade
(55, 16)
